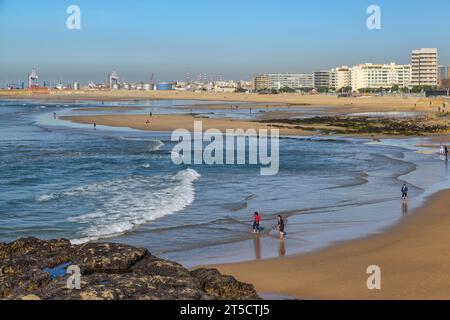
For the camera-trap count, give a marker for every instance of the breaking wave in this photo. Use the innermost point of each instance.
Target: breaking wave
(127, 203)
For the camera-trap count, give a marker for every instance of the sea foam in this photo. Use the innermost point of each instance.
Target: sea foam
(128, 203)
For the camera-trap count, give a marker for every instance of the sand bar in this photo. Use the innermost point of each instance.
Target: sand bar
(169, 123)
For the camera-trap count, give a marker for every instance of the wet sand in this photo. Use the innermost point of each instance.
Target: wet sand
(414, 257)
(109, 109)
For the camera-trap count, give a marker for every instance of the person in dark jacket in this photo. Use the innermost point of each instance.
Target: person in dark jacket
(405, 192)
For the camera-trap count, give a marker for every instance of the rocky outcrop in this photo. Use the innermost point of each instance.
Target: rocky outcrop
(364, 125)
(223, 287)
(32, 269)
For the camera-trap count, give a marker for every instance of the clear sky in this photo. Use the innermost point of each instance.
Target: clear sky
(236, 38)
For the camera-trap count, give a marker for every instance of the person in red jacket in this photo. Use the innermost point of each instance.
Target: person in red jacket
(256, 222)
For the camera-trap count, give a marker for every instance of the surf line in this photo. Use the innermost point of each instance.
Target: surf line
(191, 149)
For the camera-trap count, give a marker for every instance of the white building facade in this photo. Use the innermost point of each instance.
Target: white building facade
(290, 80)
(424, 64)
(369, 75)
(340, 77)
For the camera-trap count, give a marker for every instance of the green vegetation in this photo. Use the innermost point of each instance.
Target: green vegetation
(419, 89)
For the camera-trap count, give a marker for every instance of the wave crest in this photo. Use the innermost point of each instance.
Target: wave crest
(130, 202)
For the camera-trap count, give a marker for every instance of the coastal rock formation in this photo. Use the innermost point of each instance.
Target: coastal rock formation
(363, 125)
(33, 269)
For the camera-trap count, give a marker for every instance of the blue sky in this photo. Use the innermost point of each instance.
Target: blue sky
(233, 38)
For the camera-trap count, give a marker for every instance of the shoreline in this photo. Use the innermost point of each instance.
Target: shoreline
(411, 254)
(364, 102)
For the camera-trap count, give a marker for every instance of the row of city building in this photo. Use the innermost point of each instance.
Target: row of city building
(422, 71)
(115, 83)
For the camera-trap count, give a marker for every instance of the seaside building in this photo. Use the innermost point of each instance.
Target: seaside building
(425, 67)
(282, 80)
(291, 80)
(164, 86)
(444, 73)
(147, 86)
(245, 85)
(340, 77)
(261, 82)
(369, 75)
(322, 79)
(225, 86)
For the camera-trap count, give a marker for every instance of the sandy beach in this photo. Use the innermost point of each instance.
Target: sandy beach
(367, 103)
(173, 122)
(413, 257)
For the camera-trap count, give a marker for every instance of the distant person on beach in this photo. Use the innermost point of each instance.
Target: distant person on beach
(446, 152)
(405, 192)
(256, 222)
(441, 150)
(95, 126)
(280, 227)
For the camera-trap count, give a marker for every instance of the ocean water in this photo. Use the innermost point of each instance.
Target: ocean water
(60, 179)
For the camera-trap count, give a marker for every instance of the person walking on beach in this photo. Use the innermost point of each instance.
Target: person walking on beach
(404, 192)
(446, 152)
(95, 125)
(280, 227)
(441, 150)
(256, 222)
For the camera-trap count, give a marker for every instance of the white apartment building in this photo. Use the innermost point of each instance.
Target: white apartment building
(225, 86)
(322, 79)
(369, 75)
(261, 82)
(424, 64)
(290, 80)
(340, 77)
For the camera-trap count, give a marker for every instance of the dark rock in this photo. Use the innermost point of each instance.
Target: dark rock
(106, 257)
(109, 271)
(224, 287)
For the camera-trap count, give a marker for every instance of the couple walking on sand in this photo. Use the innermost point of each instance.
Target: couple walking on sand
(257, 224)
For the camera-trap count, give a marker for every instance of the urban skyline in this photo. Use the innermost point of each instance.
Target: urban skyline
(360, 76)
(212, 38)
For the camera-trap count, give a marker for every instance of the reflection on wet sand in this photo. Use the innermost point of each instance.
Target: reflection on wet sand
(405, 208)
(282, 249)
(257, 246)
